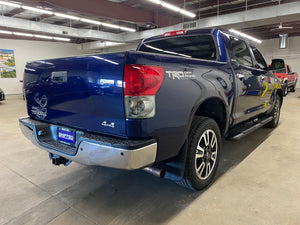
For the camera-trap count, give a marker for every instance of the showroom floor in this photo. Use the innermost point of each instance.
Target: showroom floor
(258, 182)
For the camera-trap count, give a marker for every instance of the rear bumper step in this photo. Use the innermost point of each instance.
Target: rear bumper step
(91, 149)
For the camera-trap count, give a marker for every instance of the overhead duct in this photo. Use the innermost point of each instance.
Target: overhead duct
(283, 41)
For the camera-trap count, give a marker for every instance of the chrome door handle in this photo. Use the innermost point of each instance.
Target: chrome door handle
(240, 76)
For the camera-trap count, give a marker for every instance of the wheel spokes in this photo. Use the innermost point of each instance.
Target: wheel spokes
(213, 141)
(213, 156)
(205, 137)
(199, 152)
(201, 168)
(208, 169)
(206, 154)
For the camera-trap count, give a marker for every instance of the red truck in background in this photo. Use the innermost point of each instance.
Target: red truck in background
(284, 73)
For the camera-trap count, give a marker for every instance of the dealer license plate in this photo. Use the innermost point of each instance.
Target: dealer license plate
(66, 135)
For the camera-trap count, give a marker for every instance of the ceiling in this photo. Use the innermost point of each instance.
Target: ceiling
(143, 15)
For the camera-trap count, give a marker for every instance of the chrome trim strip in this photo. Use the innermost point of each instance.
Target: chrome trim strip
(91, 152)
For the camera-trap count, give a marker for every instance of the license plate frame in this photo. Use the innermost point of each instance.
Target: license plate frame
(66, 136)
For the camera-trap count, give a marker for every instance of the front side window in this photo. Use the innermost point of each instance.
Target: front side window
(241, 52)
(260, 61)
(200, 46)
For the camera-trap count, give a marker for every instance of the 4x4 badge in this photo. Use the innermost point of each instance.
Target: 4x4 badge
(105, 124)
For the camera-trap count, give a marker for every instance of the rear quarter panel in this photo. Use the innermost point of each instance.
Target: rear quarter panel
(187, 83)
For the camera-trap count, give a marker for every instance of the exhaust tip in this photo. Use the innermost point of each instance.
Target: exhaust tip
(155, 171)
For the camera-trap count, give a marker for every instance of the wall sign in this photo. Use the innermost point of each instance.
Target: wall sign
(7, 63)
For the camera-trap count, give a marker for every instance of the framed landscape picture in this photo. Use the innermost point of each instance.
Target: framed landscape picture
(7, 63)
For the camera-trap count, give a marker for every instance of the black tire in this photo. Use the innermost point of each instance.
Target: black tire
(204, 148)
(285, 89)
(293, 88)
(275, 113)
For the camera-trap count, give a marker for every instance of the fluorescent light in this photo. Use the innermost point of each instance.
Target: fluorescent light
(245, 35)
(10, 4)
(169, 6)
(23, 34)
(90, 21)
(5, 32)
(127, 29)
(155, 1)
(61, 39)
(111, 43)
(35, 35)
(37, 10)
(107, 24)
(74, 17)
(174, 8)
(43, 36)
(111, 25)
(67, 16)
(187, 13)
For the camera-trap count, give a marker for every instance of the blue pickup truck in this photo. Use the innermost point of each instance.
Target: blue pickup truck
(163, 108)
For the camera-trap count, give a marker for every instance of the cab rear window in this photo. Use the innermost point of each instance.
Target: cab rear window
(200, 47)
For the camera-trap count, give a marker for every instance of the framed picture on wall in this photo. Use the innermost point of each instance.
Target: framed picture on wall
(7, 63)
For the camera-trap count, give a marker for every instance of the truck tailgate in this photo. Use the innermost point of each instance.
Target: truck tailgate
(81, 92)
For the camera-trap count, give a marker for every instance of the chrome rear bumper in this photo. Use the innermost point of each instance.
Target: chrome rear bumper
(91, 149)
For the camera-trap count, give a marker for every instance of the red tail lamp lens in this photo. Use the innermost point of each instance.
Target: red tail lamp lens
(142, 80)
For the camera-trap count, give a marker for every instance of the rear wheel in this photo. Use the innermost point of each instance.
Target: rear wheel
(204, 148)
(275, 113)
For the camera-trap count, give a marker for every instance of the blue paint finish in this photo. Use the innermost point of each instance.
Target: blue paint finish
(92, 95)
(177, 99)
(221, 47)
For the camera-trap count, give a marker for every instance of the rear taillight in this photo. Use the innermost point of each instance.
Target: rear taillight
(141, 83)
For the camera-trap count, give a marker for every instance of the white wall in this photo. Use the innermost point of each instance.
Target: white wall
(32, 50)
(291, 55)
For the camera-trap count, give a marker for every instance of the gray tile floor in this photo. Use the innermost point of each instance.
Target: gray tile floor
(258, 182)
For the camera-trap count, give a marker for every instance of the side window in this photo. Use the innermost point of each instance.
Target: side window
(260, 61)
(241, 52)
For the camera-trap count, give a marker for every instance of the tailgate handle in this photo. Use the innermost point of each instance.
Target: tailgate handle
(59, 77)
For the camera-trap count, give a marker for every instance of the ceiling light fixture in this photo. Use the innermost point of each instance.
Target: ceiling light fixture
(61, 39)
(174, 8)
(35, 35)
(245, 35)
(71, 17)
(90, 21)
(10, 4)
(187, 13)
(67, 16)
(43, 36)
(23, 34)
(37, 10)
(127, 29)
(5, 32)
(111, 25)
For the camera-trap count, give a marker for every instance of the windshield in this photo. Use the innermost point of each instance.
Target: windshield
(278, 66)
(200, 47)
